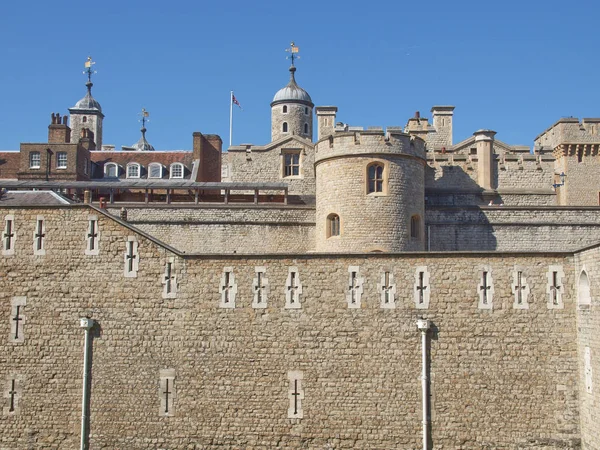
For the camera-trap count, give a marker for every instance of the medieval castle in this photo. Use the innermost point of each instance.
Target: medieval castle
(370, 289)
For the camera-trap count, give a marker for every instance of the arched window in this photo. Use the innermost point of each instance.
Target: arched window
(583, 289)
(84, 120)
(155, 170)
(284, 128)
(285, 109)
(333, 225)
(375, 178)
(306, 110)
(111, 170)
(415, 227)
(305, 128)
(133, 170)
(176, 170)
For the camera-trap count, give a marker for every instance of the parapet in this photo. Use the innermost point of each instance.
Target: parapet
(570, 130)
(374, 140)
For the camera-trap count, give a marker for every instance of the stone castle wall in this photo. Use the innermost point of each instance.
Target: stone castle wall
(505, 228)
(228, 229)
(296, 117)
(500, 377)
(588, 325)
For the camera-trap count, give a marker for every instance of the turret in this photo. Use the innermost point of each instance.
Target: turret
(87, 112)
(291, 111)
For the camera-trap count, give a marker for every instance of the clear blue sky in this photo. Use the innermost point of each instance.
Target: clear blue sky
(515, 67)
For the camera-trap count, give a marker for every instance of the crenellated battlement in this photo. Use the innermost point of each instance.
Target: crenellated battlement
(370, 141)
(570, 130)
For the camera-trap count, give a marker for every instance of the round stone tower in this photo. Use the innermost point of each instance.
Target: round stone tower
(370, 192)
(291, 111)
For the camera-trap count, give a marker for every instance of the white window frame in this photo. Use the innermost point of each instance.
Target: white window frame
(20, 302)
(354, 292)
(262, 288)
(381, 287)
(525, 291)
(560, 276)
(38, 159)
(42, 250)
(228, 281)
(166, 379)
(111, 164)
(92, 246)
(295, 378)
(489, 304)
(291, 153)
(426, 292)
(172, 170)
(130, 166)
(61, 160)
(169, 288)
(152, 166)
(293, 301)
(584, 297)
(136, 261)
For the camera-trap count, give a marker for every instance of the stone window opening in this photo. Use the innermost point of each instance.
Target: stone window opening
(260, 288)
(333, 225)
(520, 289)
(555, 287)
(284, 127)
(131, 257)
(293, 289)
(485, 289)
(8, 235)
(39, 236)
(355, 287)
(166, 392)
(387, 289)
(169, 279)
(587, 369)
(228, 289)
(61, 160)
(291, 164)
(375, 178)
(285, 110)
(583, 289)
(92, 237)
(306, 110)
(415, 226)
(17, 319)
(86, 164)
(422, 288)
(35, 160)
(12, 394)
(305, 128)
(295, 395)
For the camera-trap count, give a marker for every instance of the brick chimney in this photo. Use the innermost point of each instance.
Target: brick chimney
(207, 150)
(58, 131)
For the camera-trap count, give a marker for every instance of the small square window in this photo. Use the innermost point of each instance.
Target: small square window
(61, 160)
(177, 171)
(133, 171)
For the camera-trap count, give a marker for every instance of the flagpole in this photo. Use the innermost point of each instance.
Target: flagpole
(230, 117)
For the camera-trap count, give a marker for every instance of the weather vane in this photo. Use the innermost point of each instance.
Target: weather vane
(145, 114)
(88, 68)
(292, 50)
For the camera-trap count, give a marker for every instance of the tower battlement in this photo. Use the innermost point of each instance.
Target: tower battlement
(392, 141)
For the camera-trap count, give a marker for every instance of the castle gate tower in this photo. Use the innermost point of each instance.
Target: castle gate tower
(370, 192)
(291, 109)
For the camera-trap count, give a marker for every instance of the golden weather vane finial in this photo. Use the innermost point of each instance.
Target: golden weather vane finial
(88, 68)
(293, 50)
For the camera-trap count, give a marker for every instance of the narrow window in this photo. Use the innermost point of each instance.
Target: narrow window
(415, 227)
(306, 110)
(555, 287)
(486, 289)
(422, 289)
(169, 280)
(583, 289)
(293, 289)
(166, 392)
(131, 257)
(291, 164)
(260, 287)
(333, 225)
(228, 288)
(12, 394)
(295, 395)
(285, 111)
(355, 287)
(84, 120)
(39, 236)
(587, 369)
(375, 178)
(8, 236)
(520, 289)
(34, 160)
(284, 127)
(61, 160)
(305, 128)
(17, 319)
(177, 170)
(85, 166)
(387, 288)
(92, 236)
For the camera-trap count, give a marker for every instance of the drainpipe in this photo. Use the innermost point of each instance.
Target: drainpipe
(87, 324)
(424, 325)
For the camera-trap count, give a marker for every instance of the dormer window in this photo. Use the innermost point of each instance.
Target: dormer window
(111, 170)
(285, 109)
(133, 170)
(155, 170)
(176, 170)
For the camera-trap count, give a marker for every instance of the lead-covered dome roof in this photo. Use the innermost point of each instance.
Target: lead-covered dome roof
(292, 92)
(88, 102)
